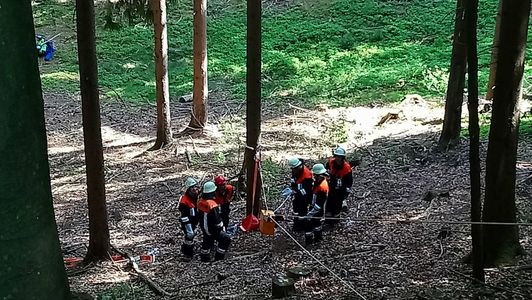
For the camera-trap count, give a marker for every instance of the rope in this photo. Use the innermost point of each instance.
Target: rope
(281, 205)
(347, 284)
(361, 220)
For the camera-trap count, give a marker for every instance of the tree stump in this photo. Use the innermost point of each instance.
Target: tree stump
(298, 272)
(282, 286)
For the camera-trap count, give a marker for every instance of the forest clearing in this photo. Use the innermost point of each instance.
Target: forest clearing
(326, 149)
(383, 260)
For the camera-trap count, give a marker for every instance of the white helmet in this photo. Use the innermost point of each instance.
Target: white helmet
(318, 169)
(339, 151)
(294, 162)
(190, 182)
(209, 187)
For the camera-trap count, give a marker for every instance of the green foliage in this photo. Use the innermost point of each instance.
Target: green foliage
(341, 52)
(122, 292)
(525, 127)
(271, 172)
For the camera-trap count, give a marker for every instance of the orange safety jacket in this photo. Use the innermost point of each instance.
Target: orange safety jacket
(187, 208)
(320, 193)
(340, 178)
(225, 196)
(209, 216)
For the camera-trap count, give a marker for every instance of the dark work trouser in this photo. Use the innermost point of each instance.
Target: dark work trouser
(300, 207)
(313, 228)
(225, 211)
(187, 248)
(208, 242)
(334, 202)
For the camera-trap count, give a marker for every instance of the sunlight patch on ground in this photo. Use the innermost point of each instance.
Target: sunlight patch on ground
(62, 75)
(63, 149)
(114, 138)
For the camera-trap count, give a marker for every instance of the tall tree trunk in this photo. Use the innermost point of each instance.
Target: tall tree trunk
(200, 90)
(474, 130)
(253, 103)
(450, 135)
(502, 242)
(164, 127)
(31, 263)
(494, 51)
(92, 135)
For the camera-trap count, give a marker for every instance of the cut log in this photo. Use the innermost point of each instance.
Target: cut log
(185, 98)
(298, 272)
(389, 116)
(282, 286)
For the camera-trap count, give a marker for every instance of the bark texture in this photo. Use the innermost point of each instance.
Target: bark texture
(92, 135)
(450, 135)
(164, 125)
(253, 104)
(31, 265)
(502, 242)
(200, 90)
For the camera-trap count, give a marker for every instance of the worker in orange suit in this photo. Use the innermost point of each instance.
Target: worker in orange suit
(188, 217)
(320, 192)
(224, 196)
(301, 188)
(340, 183)
(210, 220)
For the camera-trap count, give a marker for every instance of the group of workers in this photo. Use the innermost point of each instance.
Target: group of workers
(211, 211)
(318, 194)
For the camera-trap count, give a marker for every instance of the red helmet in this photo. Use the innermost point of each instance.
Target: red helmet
(219, 180)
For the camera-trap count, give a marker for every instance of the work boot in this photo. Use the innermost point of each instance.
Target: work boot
(345, 208)
(205, 255)
(219, 255)
(317, 235)
(308, 238)
(298, 225)
(187, 250)
(186, 258)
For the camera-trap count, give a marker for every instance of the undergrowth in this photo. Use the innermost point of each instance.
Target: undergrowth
(341, 52)
(122, 292)
(525, 127)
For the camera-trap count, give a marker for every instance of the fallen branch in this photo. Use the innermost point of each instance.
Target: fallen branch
(249, 255)
(152, 284)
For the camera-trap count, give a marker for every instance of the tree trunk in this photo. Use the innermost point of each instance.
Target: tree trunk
(450, 135)
(253, 104)
(502, 242)
(200, 90)
(92, 135)
(164, 127)
(31, 262)
(494, 51)
(474, 131)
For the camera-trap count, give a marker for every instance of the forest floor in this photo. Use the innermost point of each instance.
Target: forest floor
(379, 259)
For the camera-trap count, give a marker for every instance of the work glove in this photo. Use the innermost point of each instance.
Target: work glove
(189, 232)
(315, 209)
(287, 192)
(190, 236)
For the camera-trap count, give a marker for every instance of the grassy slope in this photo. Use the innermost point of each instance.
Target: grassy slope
(338, 51)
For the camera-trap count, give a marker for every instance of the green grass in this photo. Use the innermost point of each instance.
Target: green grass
(341, 52)
(525, 127)
(122, 292)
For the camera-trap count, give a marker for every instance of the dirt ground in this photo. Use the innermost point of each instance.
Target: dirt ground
(377, 259)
